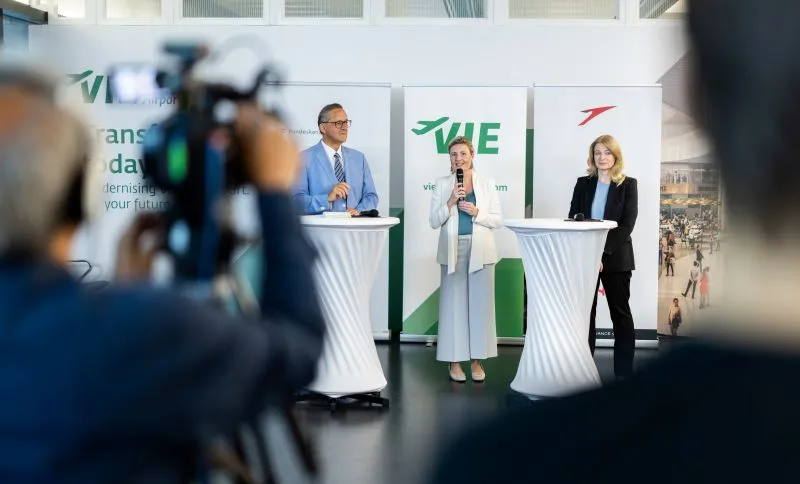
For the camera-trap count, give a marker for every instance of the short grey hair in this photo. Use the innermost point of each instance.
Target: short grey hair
(40, 148)
(325, 112)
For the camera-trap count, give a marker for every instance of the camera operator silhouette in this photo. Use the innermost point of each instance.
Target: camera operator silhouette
(130, 384)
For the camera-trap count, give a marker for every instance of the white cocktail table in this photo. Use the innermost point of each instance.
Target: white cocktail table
(562, 262)
(349, 253)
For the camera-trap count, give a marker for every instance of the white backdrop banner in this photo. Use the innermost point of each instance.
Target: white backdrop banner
(566, 120)
(368, 105)
(85, 56)
(494, 119)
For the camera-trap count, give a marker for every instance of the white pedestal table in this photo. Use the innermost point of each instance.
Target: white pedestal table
(349, 254)
(562, 262)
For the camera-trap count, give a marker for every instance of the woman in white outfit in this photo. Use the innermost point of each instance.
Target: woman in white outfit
(467, 255)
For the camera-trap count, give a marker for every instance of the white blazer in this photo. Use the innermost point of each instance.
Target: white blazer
(484, 249)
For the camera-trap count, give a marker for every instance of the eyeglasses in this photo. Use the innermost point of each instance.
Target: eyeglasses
(340, 124)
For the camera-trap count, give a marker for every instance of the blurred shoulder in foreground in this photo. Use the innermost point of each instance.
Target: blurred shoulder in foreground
(722, 408)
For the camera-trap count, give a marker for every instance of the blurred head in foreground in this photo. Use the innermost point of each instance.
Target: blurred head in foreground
(44, 154)
(747, 96)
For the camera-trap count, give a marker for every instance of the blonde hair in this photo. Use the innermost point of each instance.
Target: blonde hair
(617, 175)
(461, 140)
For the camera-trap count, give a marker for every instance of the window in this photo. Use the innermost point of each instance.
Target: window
(662, 9)
(65, 8)
(223, 8)
(563, 9)
(132, 9)
(323, 8)
(15, 34)
(436, 8)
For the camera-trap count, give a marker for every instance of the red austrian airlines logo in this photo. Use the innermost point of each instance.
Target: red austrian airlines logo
(594, 112)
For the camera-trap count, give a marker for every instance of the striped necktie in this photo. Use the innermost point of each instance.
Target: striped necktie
(337, 167)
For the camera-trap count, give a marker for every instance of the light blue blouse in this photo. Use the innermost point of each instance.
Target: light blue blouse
(599, 202)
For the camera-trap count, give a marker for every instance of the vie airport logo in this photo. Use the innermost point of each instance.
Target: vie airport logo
(91, 89)
(91, 84)
(593, 113)
(487, 133)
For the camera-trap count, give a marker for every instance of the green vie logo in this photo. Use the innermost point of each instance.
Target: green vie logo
(485, 135)
(90, 86)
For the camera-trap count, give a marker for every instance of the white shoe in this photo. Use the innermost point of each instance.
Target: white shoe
(479, 375)
(457, 373)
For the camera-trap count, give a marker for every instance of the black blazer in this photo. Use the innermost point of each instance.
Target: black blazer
(622, 206)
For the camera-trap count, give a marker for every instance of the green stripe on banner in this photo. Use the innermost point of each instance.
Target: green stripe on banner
(528, 169)
(508, 291)
(508, 297)
(425, 317)
(396, 272)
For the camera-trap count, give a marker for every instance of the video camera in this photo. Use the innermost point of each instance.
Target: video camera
(194, 154)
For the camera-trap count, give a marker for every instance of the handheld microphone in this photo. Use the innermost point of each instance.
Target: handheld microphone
(460, 180)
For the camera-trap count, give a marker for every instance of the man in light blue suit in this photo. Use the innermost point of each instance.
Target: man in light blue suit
(334, 177)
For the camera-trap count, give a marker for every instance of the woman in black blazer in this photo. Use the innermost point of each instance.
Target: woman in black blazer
(606, 193)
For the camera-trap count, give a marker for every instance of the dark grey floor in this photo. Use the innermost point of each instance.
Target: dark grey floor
(397, 445)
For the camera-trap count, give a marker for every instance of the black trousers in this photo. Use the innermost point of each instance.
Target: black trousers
(617, 286)
(691, 285)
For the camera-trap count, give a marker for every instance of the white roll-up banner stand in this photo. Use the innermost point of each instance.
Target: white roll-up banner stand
(494, 119)
(87, 55)
(367, 105)
(566, 120)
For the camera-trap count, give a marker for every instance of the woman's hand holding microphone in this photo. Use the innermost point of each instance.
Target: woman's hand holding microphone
(457, 197)
(458, 192)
